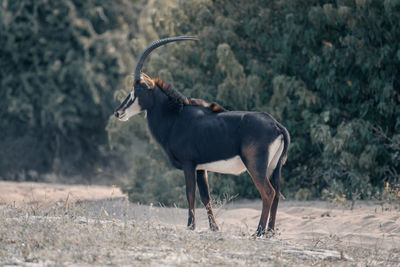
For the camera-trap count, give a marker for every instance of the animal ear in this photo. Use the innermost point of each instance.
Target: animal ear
(149, 82)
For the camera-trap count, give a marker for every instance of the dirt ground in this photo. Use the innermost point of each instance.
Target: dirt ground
(53, 225)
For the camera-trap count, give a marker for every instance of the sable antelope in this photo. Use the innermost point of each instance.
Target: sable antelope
(200, 137)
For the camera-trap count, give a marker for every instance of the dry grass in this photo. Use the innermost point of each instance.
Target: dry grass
(116, 232)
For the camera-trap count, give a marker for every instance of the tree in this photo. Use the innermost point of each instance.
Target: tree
(328, 70)
(60, 62)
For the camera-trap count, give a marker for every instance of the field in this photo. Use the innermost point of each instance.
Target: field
(55, 225)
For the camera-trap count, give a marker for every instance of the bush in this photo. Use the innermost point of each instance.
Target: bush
(328, 70)
(60, 62)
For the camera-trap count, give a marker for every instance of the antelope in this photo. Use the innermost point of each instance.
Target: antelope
(199, 137)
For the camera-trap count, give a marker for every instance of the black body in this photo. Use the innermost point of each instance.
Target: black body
(207, 136)
(195, 133)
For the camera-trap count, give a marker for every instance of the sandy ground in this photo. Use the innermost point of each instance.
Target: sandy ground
(367, 234)
(31, 193)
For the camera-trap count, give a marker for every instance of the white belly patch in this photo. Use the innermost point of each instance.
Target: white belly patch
(230, 166)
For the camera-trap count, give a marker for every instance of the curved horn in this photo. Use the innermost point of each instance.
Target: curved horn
(153, 46)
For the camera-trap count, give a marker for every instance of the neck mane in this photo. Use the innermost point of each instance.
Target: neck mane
(177, 101)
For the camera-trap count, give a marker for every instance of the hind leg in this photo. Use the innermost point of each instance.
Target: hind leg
(272, 218)
(275, 165)
(256, 164)
(202, 183)
(267, 194)
(276, 184)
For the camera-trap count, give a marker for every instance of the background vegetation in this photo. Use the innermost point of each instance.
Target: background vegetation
(60, 63)
(328, 70)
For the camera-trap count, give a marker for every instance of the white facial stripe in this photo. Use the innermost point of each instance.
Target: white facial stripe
(131, 111)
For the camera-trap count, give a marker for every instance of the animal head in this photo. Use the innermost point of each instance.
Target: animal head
(140, 98)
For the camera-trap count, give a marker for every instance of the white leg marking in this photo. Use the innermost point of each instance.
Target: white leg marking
(274, 153)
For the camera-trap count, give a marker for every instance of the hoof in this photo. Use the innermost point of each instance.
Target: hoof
(260, 231)
(191, 227)
(270, 233)
(214, 227)
(267, 234)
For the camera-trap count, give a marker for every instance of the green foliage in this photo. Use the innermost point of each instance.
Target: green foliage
(328, 70)
(60, 62)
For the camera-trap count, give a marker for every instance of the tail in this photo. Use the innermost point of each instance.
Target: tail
(286, 143)
(276, 175)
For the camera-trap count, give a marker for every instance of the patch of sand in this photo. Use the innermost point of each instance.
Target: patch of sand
(13, 193)
(320, 224)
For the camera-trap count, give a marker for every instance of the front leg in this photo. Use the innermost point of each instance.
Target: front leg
(190, 179)
(202, 183)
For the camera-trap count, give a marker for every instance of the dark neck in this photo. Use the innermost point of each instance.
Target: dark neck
(160, 118)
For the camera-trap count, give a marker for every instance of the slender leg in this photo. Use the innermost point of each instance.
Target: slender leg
(276, 176)
(202, 183)
(190, 178)
(267, 194)
(256, 164)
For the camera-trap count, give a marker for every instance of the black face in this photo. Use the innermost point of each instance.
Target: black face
(141, 98)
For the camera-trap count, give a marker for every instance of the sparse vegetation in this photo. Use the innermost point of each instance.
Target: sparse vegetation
(116, 232)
